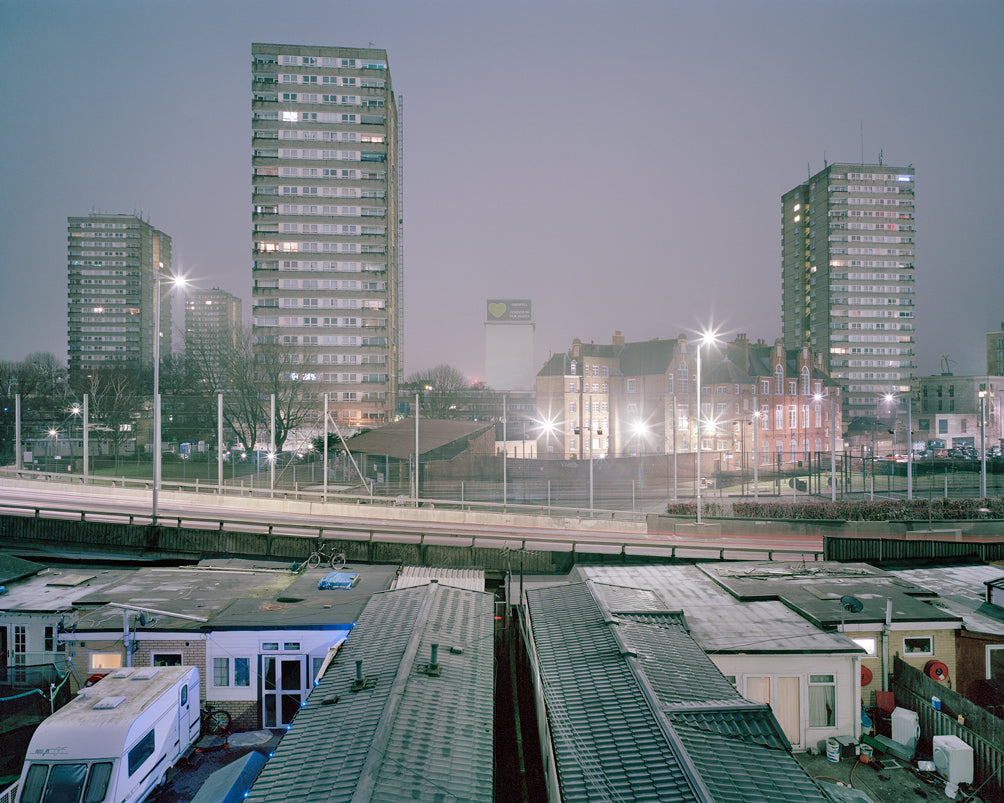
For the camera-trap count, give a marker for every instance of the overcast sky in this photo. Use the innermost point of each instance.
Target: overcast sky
(620, 164)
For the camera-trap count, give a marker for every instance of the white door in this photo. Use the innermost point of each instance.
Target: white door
(783, 694)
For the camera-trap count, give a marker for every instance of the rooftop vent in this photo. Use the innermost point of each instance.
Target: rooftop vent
(109, 702)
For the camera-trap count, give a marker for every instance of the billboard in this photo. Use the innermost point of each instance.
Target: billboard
(509, 310)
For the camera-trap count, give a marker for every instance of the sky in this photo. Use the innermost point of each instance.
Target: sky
(621, 164)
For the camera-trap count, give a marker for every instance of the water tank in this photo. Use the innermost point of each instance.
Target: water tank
(905, 727)
(954, 759)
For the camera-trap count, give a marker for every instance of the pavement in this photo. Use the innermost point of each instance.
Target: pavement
(897, 781)
(213, 753)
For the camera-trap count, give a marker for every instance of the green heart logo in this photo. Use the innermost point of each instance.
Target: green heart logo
(497, 309)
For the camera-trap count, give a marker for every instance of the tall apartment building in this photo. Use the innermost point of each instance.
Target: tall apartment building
(847, 275)
(112, 262)
(210, 316)
(995, 352)
(326, 220)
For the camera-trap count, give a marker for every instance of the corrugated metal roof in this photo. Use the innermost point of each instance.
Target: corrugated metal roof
(637, 711)
(408, 735)
(398, 439)
(471, 579)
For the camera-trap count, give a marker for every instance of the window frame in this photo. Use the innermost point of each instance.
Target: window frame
(918, 653)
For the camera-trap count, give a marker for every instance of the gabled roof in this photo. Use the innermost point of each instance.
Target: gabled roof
(398, 439)
(402, 733)
(637, 711)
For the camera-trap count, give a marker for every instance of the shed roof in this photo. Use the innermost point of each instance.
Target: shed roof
(398, 439)
(406, 734)
(636, 710)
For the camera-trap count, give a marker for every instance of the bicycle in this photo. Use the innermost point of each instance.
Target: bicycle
(334, 559)
(215, 721)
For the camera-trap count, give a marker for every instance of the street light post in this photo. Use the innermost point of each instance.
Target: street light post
(178, 282)
(983, 444)
(756, 456)
(706, 338)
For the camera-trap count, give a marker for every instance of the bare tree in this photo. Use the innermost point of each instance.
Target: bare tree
(439, 388)
(114, 404)
(247, 373)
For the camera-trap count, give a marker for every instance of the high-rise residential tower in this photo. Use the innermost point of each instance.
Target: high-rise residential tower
(847, 275)
(212, 318)
(112, 264)
(326, 221)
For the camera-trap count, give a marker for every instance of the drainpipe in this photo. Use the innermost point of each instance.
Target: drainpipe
(885, 644)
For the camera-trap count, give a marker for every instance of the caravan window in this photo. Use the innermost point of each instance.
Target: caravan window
(97, 783)
(65, 783)
(34, 781)
(141, 752)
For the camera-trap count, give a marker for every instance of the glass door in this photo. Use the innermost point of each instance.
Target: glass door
(283, 688)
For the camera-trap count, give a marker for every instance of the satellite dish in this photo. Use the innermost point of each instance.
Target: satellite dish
(851, 604)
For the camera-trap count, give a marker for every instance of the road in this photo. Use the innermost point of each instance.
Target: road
(403, 525)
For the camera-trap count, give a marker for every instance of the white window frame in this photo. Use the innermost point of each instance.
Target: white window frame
(919, 653)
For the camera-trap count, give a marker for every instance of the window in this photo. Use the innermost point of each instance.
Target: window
(918, 645)
(822, 701)
(669, 383)
(221, 671)
(764, 386)
(104, 661)
(778, 379)
(97, 783)
(167, 659)
(630, 385)
(242, 671)
(141, 752)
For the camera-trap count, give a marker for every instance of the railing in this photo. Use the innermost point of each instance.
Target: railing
(8, 794)
(315, 493)
(427, 533)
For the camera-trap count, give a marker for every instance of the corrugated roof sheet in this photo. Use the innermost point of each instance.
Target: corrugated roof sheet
(398, 439)
(637, 711)
(408, 735)
(471, 579)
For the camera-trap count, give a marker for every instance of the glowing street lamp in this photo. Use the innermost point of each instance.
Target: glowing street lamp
(176, 281)
(833, 442)
(706, 338)
(892, 398)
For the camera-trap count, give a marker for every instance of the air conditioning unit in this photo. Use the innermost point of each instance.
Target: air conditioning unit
(954, 759)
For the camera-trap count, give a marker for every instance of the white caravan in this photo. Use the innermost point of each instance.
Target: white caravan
(115, 741)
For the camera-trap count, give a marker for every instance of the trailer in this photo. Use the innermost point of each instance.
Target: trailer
(115, 741)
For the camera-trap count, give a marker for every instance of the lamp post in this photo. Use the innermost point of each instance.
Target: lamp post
(53, 440)
(909, 439)
(833, 442)
(983, 444)
(178, 281)
(706, 338)
(756, 456)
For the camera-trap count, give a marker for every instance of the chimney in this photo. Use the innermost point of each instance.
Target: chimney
(618, 340)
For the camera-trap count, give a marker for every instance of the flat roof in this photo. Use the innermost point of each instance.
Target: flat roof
(231, 596)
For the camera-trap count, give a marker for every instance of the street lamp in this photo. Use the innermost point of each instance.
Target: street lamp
(706, 338)
(756, 456)
(53, 440)
(909, 439)
(983, 444)
(177, 281)
(833, 442)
